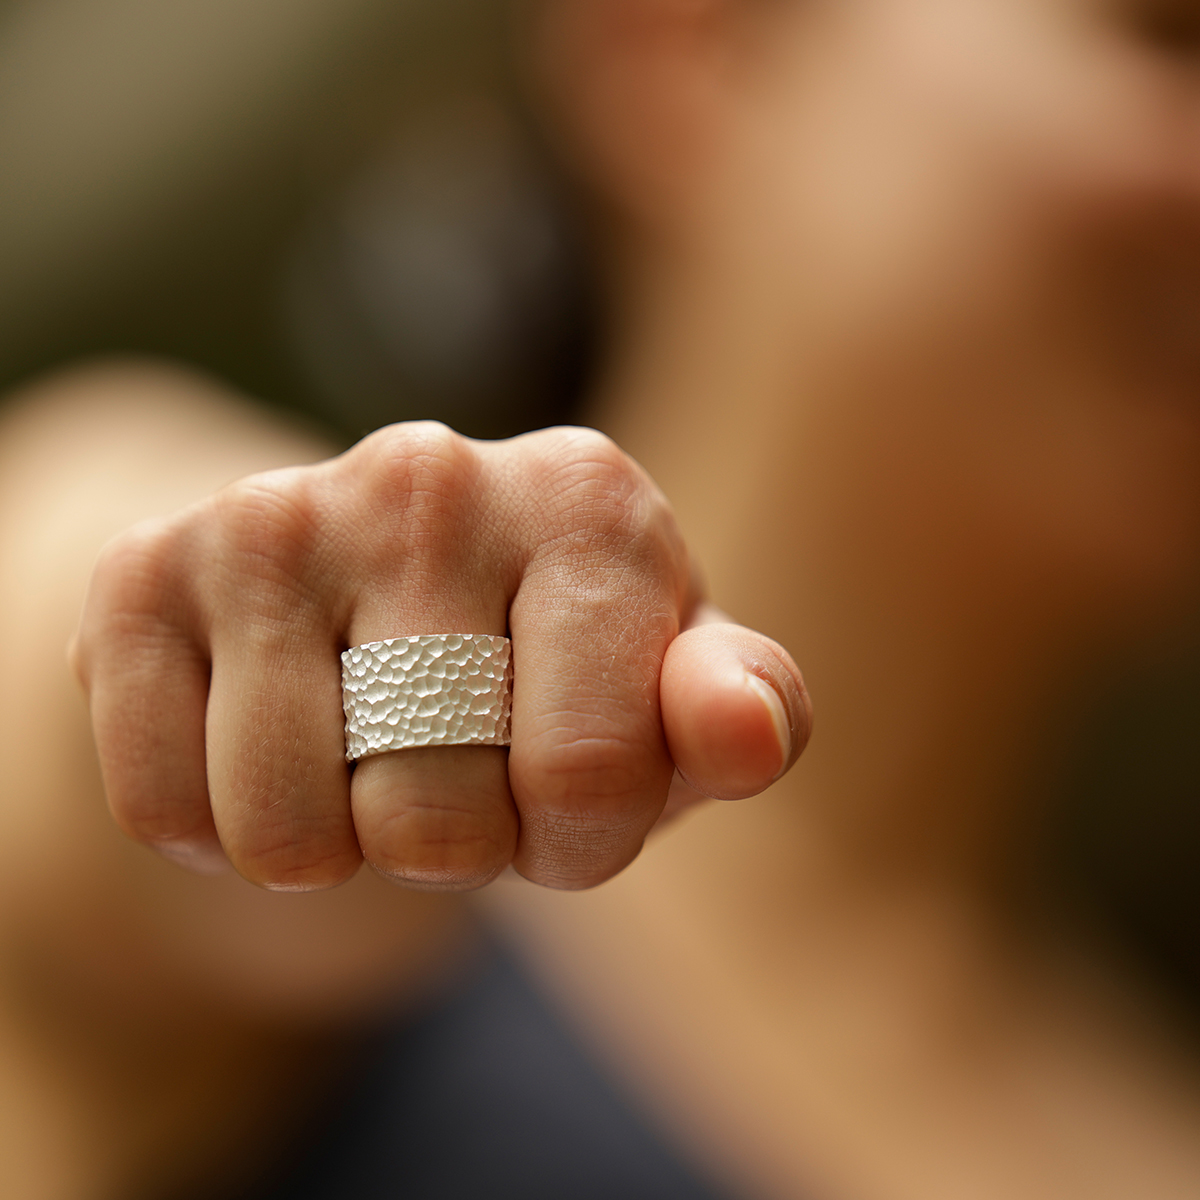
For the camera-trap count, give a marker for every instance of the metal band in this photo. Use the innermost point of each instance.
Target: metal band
(435, 689)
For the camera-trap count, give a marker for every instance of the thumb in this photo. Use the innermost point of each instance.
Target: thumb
(734, 707)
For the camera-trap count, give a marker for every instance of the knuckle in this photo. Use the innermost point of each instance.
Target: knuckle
(596, 779)
(566, 852)
(605, 504)
(151, 821)
(594, 799)
(134, 569)
(285, 825)
(134, 597)
(283, 859)
(582, 465)
(589, 448)
(269, 525)
(445, 845)
(420, 471)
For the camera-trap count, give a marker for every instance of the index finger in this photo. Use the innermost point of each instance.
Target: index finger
(591, 622)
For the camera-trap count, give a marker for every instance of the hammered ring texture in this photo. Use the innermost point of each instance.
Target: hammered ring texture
(434, 689)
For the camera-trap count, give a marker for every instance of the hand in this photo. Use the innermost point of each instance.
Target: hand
(210, 640)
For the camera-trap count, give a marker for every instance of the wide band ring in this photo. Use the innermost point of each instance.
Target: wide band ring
(435, 689)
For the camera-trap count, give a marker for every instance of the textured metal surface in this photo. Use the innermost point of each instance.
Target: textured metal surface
(436, 689)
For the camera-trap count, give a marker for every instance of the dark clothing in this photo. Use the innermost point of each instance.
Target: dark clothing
(485, 1098)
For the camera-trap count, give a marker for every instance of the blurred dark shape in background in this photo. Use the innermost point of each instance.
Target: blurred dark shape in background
(337, 205)
(443, 276)
(1128, 829)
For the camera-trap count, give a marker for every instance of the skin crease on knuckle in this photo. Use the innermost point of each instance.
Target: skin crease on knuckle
(593, 814)
(591, 486)
(135, 585)
(611, 533)
(420, 470)
(587, 802)
(271, 831)
(283, 861)
(439, 845)
(270, 537)
(414, 500)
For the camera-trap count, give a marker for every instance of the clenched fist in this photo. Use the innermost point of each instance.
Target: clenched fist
(210, 644)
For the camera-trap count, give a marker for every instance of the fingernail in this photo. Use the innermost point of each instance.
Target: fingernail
(779, 718)
(201, 858)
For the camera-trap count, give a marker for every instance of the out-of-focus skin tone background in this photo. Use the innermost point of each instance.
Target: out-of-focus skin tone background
(901, 304)
(957, 310)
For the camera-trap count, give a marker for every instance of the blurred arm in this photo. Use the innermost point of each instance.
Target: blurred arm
(82, 456)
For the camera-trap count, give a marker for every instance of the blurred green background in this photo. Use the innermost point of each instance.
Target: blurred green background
(339, 206)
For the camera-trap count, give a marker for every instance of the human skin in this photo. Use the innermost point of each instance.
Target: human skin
(209, 646)
(155, 1025)
(876, 342)
(235, 1000)
(184, 1017)
(907, 301)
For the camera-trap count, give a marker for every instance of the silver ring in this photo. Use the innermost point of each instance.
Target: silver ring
(435, 689)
